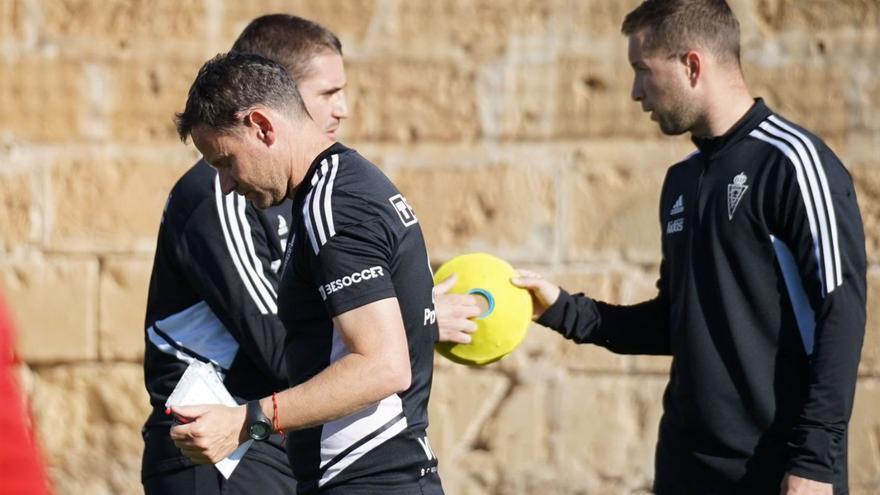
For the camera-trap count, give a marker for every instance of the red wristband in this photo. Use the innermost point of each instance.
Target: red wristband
(276, 423)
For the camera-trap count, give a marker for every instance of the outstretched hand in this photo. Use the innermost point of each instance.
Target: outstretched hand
(208, 433)
(454, 312)
(544, 293)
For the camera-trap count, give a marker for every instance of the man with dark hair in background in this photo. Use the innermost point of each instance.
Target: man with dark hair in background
(213, 292)
(355, 293)
(761, 298)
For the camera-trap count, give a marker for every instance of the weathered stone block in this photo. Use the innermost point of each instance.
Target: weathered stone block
(411, 101)
(626, 224)
(107, 201)
(476, 473)
(590, 91)
(553, 94)
(505, 209)
(145, 95)
(483, 31)
(555, 480)
(870, 99)
(54, 303)
(124, 286)
(607, 425)
(816, 15)
(517, 98)
(348, 19)
(864, 489)
(870, 363)
(858, 150)
(832, 70)
(89, 420)
(12, 20)
(600, 18)
(519, 427)
(16, 208)
(864, 435)
(477, 30)
(867, 182)
(658, 365)
(121, 22)
(639, 285)
(33, 88)
(820, 102)
(462, 399)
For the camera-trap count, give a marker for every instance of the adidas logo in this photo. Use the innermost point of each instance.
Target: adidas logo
(678, 207)
(283, 229)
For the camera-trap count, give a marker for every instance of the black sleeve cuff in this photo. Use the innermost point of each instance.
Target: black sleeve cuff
(555, 315)
(813, 452)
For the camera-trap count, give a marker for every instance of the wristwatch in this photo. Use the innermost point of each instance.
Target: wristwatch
(258, 425)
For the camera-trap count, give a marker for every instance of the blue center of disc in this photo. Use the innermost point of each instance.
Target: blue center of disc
(489, 298)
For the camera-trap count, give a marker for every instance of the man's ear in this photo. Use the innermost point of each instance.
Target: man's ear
(259, 122)
(693, 65)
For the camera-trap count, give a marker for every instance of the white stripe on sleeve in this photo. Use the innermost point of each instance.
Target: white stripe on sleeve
(236, 261)
(261, 281)
(805, 194)
(826, 193)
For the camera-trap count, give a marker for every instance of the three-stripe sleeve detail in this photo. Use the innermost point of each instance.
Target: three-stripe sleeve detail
(231, 210)
(318, 206)
(813, 185)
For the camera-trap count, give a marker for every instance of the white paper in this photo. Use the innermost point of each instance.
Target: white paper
(200, 384)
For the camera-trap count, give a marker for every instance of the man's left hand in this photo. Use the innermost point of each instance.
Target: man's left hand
(795, 485)
(454, 313)
(208, 433)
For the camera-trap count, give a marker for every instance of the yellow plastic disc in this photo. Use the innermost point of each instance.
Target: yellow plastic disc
(504, 324)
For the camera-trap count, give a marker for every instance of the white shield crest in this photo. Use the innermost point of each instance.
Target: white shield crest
(735, 192)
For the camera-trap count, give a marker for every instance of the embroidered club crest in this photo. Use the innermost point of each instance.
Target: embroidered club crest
(735, 192)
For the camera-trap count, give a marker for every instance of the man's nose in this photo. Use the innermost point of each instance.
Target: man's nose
(636, 92)
(227, 185)
(340, 106)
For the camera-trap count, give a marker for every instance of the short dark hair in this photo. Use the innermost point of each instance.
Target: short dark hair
(681, 25)
(229, 85)
(287, 39)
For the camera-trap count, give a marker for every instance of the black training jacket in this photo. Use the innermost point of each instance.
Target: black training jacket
(213, 298)
(761, 304)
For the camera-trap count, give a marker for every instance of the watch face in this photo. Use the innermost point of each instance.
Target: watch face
(259, 431)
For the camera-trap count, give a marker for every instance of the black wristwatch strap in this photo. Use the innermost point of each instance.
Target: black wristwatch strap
(258, 425)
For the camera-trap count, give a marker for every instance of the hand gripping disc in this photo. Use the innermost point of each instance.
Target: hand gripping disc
(504, 324)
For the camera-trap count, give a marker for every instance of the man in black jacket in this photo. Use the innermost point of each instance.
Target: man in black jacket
(761, 299)
(213, 291)
(355, 293)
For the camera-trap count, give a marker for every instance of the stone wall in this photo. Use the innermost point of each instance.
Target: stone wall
(508, 125)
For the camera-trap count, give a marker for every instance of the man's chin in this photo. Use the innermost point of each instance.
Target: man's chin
(672, 132)
(268, 202)
(259, 201)
(671, 128)
(264, 203)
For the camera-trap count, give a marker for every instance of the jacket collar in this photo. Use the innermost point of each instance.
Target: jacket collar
(756, 114)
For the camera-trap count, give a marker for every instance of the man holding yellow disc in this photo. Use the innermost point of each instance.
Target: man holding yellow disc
(761, 292)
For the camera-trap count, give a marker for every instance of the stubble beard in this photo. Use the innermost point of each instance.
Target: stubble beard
(681, 116)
